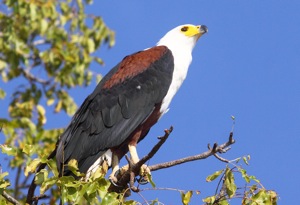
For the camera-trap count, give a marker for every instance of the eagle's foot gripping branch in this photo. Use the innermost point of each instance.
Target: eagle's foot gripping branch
(132, 169)
(128, 173)
(144, 173)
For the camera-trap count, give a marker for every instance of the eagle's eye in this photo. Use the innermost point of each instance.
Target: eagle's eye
(184, 29)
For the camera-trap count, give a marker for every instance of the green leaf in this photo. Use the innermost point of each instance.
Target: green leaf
(209, 200)
(50, 101)
(8, 150)
(91, 45)
(2, 94)
(99, 60)
(43, 26)
(149, 177)
(186, 197)
(28, 149)
(41, 176)
(73, 167)
(246, 159)
(273, 197)
(99, 173)
(223, 202)
(153, 202)
(110, 199)
(4, 184)
(244, 175)
(229, 183)
(254, 179)
(41, 114)
(3, 64)
(2, 175)
(262, 198)
(32, 166)
(58, 106)
(73, 164)
(214, 175)
(72, 194)
(47, 184)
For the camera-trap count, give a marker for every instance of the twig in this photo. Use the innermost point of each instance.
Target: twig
(4, 193)
(221, 148)
(40, 42)
(17, 181)
(221, 158)
(37, 198)
(32, 78)
(10, 198)
(133, 170)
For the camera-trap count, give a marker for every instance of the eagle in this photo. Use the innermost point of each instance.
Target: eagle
(126, 103)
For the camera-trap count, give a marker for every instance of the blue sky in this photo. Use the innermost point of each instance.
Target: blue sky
(248, 65)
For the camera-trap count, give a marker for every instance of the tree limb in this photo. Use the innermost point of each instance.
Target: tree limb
(32, 78)
(10, 198)
(133, 170)
(211, 151)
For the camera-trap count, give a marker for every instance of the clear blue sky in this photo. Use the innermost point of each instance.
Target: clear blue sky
(248, 65)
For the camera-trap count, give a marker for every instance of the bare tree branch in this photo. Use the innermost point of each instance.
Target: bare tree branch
(212, 151)
(133, 170)
(10, 198)
(32, 78)
(16, 191)
(40, 42)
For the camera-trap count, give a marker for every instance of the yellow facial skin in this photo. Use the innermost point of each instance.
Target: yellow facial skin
(192, 30)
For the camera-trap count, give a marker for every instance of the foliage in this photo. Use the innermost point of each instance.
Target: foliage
(46, 48)
(253, 193)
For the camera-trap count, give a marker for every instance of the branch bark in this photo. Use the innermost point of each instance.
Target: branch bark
(211, 151)
(10, 198)
(133, 170)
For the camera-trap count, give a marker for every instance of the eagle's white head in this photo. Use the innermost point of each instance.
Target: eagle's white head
(181, 41)
(183, 37)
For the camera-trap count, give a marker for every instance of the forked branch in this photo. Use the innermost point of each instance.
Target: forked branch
(133, 170)
(211, 151)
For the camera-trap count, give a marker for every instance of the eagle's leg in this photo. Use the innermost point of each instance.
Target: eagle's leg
(115, 167)
(144, 171)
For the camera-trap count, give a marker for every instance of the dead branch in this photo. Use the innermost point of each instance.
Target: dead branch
(37, 198)
(10, 199)
(211, 151)
(133, 170)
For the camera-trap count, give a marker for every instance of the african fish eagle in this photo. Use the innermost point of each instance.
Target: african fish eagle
(126, 103)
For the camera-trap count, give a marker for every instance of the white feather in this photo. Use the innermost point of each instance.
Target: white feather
(181, 47)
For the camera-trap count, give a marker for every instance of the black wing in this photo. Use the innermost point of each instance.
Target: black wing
(123, 99)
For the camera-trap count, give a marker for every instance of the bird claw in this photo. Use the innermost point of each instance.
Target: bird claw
(144, 175)
(113, 178)
(142, 180)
